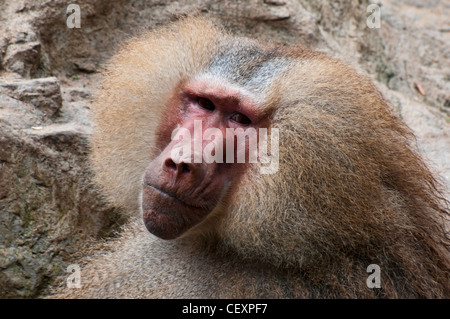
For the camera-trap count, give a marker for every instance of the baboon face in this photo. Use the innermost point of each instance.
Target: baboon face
(218, 111)
(197, 167)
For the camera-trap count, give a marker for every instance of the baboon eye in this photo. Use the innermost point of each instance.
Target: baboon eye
(206, 103)
(240, 118)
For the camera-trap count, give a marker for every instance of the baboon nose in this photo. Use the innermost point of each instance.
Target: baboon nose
(180, 168)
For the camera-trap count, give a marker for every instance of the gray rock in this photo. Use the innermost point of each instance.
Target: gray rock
(44, 93)
(23, 58)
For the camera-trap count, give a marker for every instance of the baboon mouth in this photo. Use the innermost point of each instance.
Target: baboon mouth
(171, 196)
(167, 216)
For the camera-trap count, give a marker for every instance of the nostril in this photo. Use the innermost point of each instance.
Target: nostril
(179, 168)
(185, 168)
(169, 163)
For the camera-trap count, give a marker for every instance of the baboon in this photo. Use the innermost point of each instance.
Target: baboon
(350, 191)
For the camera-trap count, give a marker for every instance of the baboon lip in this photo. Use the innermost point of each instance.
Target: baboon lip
(167, 216)
(171, 196)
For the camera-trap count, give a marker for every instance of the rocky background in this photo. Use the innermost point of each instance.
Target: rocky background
(49, 211)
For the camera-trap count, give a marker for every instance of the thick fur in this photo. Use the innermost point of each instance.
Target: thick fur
(351, 190)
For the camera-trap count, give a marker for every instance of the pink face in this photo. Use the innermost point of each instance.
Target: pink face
(177, 195)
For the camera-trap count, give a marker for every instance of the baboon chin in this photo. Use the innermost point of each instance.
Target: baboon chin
(349, 190)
